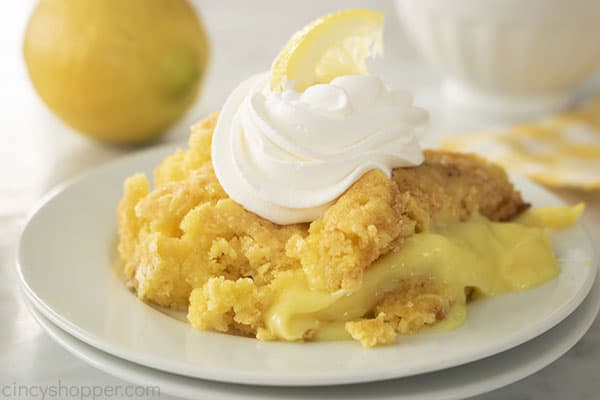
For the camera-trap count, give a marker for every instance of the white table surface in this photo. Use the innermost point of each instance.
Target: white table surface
(38, 152)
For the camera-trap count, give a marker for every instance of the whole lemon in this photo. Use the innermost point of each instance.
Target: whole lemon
(120, 71)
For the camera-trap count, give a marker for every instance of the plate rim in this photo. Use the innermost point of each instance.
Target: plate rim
(511, 375)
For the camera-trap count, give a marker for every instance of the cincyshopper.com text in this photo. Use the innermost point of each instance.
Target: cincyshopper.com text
(64, 391)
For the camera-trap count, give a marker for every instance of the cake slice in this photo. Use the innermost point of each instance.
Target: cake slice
(185, 239)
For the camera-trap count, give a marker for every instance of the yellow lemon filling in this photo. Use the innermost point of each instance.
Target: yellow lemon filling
(491, 258)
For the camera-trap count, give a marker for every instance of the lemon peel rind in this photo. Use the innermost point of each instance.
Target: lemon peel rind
(296, 65)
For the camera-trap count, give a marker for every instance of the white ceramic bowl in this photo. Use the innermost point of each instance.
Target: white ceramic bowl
(512, 55)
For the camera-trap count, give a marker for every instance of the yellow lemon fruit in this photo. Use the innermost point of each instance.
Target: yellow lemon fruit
(120, 71)
(334, 45)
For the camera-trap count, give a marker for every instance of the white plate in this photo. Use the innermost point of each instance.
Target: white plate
(455, 383)
(65, 257)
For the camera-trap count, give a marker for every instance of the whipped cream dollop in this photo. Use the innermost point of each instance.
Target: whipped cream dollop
(287, 156)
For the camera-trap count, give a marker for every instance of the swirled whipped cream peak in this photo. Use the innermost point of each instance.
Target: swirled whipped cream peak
(287, 156)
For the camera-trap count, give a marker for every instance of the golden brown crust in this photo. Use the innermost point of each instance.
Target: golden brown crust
(456, 185)
(185, 240)
(352, 233)
(414, 304)
(376, 214)
(372, 332)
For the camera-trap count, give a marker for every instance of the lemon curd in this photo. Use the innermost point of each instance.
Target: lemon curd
(491, 258)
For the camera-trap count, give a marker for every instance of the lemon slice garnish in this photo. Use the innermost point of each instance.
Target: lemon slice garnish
(331, 46)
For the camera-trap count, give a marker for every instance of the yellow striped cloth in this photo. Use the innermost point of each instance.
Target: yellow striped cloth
(560, 151)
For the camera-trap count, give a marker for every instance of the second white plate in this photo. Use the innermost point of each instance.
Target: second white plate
(65, 258)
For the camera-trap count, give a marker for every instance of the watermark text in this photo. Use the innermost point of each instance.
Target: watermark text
(60, 390)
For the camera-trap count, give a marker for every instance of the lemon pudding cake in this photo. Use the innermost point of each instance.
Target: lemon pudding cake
(306, 209)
